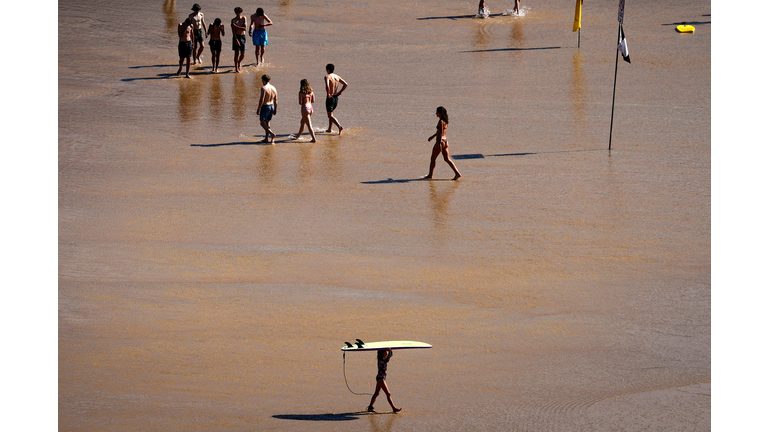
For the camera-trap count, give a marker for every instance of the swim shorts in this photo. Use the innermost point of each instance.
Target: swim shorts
(331, 103)
(260, 37)
(240, 38)
(266, 112)
(199, 35)
(185, 49)
(215, 45)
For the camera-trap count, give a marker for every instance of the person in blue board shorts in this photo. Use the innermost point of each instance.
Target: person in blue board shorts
(257, 30)
(383, 357)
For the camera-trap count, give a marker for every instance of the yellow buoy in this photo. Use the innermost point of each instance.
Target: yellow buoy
(685, 28)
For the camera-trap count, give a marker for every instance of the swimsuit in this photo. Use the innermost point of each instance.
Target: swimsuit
(307, 103)
(266, 112)
(383, 367)
(199, 36)
(185, 49)
(260, 37)
(331, 103)
(241, 38)
(215, 45)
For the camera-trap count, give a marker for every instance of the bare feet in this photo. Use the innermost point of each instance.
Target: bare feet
(327, 131)
(396, 410)
(458, 176)
(370, 409)
(341, 129)
(428, 176)
(272, 140)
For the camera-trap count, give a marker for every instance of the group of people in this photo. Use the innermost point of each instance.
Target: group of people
(193, 32)
(267, 107)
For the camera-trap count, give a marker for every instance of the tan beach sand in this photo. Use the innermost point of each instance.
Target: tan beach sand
(208, 281)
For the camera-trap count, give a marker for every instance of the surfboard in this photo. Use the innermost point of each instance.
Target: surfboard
(394, 345)
(684, 28)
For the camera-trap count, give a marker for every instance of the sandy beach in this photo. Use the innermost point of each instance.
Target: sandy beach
(207, 281)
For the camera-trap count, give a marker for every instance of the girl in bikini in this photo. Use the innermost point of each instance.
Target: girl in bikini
(383, 357)
(441, 144)
(306, 98)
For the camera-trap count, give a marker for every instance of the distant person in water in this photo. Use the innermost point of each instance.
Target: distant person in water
(517, 7)
(185, 45)
(215, 32)
(238, 38)
(306, 99)
(383, 357)
(257, 30)
(198, 26)
(267, 107)
(332, 91)
(441, 144)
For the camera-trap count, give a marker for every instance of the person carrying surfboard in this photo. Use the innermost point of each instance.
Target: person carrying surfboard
(383, 357)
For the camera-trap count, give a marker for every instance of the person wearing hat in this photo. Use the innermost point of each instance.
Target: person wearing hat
(200, 31)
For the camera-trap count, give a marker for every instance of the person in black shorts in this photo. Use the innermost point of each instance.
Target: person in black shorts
(185, 45)
(238, 38)
(332, 93)
(215, 32)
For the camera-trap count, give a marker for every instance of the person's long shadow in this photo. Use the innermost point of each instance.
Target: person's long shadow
(247, 143)
(330, 417)
(391, 180)
(688, 22)
(455, 17)
(161, 76)
(510, 49)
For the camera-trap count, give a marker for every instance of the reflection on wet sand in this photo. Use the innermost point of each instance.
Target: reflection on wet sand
(169, 8)
(190, 97)
(266, 169)
(578, 90)
(239, 97)
(305, 162)
(481, 36)
(440, 198)
(516, 35)
(215, 97)
(382, 423)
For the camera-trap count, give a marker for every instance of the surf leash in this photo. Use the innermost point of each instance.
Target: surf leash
(344, 356)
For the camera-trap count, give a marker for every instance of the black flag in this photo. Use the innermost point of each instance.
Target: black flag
(623, 44)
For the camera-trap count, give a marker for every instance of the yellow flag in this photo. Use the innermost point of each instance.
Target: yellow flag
(577, 17)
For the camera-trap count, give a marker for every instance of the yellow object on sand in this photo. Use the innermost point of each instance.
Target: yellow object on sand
(685, 28)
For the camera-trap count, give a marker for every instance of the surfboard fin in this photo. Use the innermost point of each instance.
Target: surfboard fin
(359, 343)
(349, 345)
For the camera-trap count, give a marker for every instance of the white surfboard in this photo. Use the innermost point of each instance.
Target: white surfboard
(394, 345)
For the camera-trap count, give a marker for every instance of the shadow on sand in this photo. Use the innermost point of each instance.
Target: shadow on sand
(391, 180)
(688, 22)
(330, 417)
(455, 17)
(260, 142)
(510, 49)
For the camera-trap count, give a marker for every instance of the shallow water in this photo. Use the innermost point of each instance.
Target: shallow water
(207, 281)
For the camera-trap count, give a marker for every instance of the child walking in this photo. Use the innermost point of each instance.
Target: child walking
(383, 357)
(441, 144)
(306, 99)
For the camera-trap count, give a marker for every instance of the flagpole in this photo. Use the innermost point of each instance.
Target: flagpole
(615, 74)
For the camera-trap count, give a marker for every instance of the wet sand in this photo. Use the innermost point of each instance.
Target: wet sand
(207, 281)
